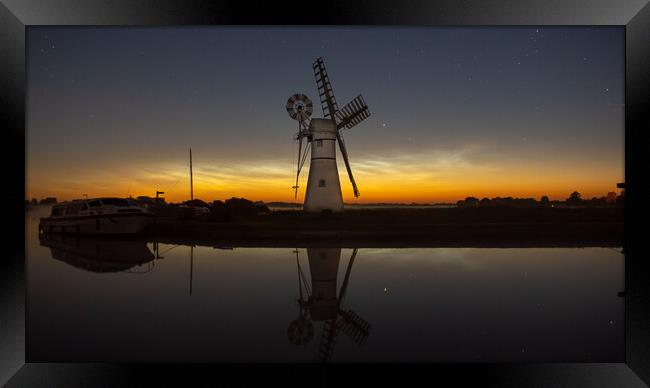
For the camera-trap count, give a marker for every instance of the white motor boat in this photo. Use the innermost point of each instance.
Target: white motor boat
(97, 216)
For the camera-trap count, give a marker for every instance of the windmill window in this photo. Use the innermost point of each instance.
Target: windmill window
(319, 143)
(321, 183)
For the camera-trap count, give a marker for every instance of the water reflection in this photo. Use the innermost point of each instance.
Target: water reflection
(320, 301)
(99, 255)
(198, 303)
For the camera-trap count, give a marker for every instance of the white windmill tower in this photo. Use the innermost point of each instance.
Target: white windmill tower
(323, 185)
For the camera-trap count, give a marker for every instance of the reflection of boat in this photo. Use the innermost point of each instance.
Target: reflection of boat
(323, 304)
(97, 255)
(97, 216)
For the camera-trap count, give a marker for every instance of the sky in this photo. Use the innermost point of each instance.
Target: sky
(455, 111)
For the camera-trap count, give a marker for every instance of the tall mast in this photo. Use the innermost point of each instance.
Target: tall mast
(191, 183)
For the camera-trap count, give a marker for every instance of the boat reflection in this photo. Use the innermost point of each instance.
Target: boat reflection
(99, 255)
(319, 301)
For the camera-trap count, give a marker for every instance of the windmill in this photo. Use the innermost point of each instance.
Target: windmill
(323, 186)
(321, 303)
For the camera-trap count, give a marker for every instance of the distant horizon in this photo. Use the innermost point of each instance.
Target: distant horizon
(486, 112)
(454, 202)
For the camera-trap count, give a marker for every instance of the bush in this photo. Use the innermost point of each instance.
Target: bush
(234, 208)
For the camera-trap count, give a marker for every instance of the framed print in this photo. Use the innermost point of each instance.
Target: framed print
(435, 187)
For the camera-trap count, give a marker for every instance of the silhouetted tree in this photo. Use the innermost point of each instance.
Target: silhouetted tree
(611, 198)
(620, 199)
(471, 202)
(574, 198)
(235, 207)
(544, 201)
(245, 206)
(34, 201)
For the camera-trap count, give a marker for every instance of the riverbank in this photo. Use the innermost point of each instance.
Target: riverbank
(454, 227)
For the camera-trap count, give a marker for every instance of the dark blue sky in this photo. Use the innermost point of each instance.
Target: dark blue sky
(455, 111)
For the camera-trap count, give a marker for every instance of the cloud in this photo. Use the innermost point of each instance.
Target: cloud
(425, 164)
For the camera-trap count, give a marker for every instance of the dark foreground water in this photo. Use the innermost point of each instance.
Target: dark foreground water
(101, 300)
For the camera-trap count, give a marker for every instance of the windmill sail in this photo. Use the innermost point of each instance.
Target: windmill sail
(352, 114)
(355, 327)
(344, 152)
(325, 92)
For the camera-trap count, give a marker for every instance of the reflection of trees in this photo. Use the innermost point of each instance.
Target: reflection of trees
(319, 301)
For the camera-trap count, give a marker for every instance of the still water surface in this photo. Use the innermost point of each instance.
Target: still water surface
(102, 300)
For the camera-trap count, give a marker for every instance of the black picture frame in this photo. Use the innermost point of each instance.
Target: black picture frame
(15, 15)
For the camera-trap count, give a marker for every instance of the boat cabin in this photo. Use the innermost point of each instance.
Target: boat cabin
(87, 207)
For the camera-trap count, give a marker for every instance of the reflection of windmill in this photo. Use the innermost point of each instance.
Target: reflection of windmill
(323, 186)
(323, 304)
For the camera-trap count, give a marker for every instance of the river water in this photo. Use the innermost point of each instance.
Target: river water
(106, 300)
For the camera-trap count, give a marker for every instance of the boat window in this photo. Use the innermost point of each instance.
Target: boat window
(72, 209)
(57, 210)
(94, 204)
(321, 183)
(115, 202)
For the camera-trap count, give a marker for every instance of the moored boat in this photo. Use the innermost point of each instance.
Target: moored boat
(97, 216)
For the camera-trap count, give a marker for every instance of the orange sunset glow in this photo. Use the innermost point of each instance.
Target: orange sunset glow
(391, 179)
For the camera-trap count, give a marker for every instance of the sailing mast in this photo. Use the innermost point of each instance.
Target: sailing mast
(191, 182)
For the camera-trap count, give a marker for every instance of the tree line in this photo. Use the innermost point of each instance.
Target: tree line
(574, 199)
(43, 201)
